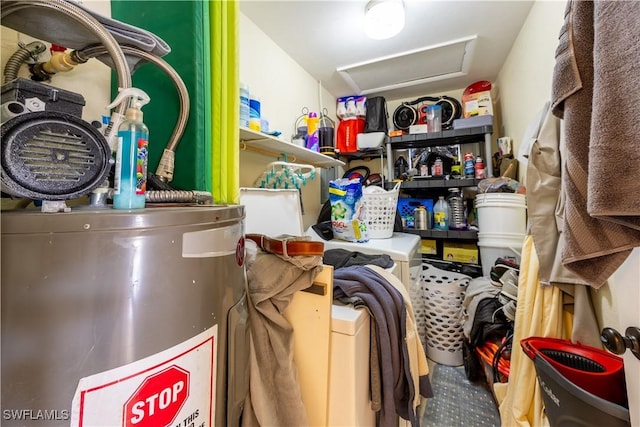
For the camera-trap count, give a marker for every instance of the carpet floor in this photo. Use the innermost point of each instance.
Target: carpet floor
(457, 402)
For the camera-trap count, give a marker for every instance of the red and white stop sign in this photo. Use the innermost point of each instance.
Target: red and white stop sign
(158, 399)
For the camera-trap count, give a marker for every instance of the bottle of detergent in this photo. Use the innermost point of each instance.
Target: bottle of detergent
(313, 142)
(132, 152)
(441, 215)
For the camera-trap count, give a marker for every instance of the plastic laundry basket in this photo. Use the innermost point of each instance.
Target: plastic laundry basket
(439, 315)
(381, 206)
(581, 385)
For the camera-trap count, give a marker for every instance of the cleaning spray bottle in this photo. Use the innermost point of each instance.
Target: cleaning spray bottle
(132, 152)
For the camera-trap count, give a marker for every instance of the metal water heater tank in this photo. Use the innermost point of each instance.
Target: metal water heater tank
(124, 318)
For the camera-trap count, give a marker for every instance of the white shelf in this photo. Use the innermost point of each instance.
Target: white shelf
(277, 147)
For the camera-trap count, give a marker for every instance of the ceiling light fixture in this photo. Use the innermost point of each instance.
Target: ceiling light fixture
(383, 19)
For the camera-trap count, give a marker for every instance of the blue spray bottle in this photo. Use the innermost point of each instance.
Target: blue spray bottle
(131, 153)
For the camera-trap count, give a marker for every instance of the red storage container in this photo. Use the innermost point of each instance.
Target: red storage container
(597, 371)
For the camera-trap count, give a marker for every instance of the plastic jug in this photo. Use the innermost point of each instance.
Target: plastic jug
(457, 210)
(441, 215)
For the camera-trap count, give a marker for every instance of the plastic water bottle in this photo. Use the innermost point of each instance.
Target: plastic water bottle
(457, 210)
(441, 215)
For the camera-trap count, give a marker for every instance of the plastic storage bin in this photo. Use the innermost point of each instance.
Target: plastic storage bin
(498, 245)
(581, 385)
(501, 213)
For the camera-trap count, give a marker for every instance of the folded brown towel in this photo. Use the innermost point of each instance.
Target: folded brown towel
(594, 247)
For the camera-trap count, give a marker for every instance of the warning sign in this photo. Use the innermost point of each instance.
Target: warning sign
(158, 399)
(174, 388)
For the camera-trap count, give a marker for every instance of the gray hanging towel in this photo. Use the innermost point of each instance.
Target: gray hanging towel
(595, 244)
(57, 27)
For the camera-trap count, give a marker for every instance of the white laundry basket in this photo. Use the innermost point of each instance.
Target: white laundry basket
(381, 207)
(439, 313)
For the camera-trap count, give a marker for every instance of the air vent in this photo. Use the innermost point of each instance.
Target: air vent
(52, 156)
(424, 65)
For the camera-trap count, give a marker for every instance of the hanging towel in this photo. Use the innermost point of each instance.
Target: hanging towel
(402, 363)
(55, 26)
(545, 208)
(596, 100)
(614, 149)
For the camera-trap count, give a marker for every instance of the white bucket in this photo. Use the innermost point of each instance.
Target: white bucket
(501, 213)
(498, 245)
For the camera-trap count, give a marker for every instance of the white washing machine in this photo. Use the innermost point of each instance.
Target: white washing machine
(276, 212)
(403, 248)
(349, 403)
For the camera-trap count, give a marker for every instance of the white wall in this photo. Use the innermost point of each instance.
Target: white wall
(525, 79)
(284, 89)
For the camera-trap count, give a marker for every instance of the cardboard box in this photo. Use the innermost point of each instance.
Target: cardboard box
(460, 252)
(429, 247)
(477, 104)
(413, 129)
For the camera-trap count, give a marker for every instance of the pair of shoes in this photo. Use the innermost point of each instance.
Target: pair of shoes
(503, 264)
(500, 267)
(509, 281)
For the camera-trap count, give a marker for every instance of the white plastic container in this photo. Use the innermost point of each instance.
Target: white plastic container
(244, 105)
(501, 213)
(441, 215)
(498, 245)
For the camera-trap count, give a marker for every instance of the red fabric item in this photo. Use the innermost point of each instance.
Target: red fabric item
(347, 134)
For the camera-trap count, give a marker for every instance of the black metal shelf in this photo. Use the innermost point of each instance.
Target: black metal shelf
(441, 234)
(435, 139)
(431, 183)
(364, 154)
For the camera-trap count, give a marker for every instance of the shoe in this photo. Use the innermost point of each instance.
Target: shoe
(494, 278)
(509, 311)
(509, 282)
(505, 262)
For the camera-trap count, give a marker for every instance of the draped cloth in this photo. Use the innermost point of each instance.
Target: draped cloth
(401, 361)
(596, 91)
(225, 102)
(274, 397)
(539, 313)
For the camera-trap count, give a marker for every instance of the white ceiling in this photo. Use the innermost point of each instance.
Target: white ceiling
(325, 36)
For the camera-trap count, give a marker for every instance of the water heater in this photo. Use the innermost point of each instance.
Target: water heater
(124, 318)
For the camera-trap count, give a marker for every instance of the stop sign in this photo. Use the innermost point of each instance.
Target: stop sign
(158, 399)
